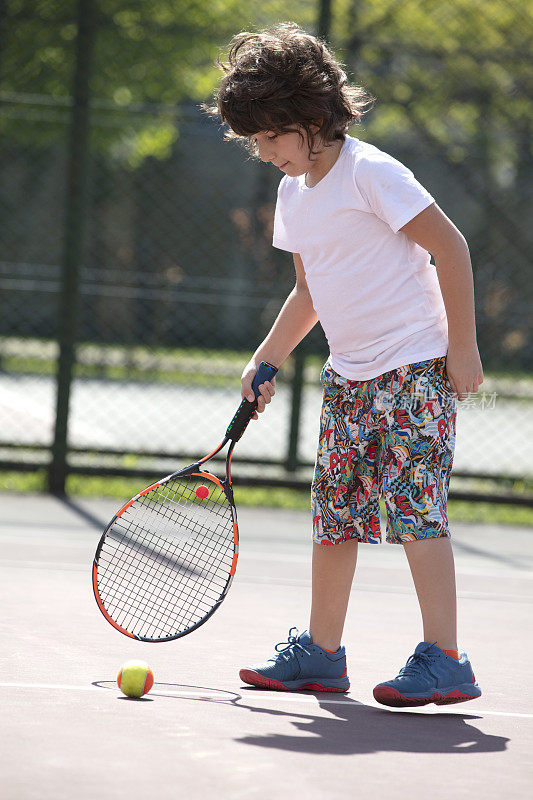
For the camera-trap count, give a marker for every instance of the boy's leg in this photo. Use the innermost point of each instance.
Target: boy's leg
(344, 483)
(432, 567)
(430, 675)
(418, 448)
(333, 571)
(418, 453)
(302, 662)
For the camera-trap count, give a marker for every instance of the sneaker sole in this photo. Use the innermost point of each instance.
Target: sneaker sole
(388, 696)
(256, 679)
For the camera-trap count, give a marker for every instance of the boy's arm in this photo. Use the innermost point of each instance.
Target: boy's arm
(432, 230)
(293, 322)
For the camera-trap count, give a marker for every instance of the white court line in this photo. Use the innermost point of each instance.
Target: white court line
(287, 698)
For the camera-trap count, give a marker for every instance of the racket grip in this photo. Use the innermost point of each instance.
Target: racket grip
(244, 413)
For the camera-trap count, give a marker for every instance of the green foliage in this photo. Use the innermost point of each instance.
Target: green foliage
(148, 57)
(458, 72)
(446, 66)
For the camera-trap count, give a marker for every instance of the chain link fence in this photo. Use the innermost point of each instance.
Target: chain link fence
(136, 268)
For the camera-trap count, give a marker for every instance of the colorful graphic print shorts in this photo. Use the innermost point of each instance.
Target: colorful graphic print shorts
(392, 436)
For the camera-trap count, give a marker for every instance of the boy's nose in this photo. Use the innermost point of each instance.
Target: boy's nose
(265, 155)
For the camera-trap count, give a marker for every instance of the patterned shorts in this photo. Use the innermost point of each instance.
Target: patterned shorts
(394, 436)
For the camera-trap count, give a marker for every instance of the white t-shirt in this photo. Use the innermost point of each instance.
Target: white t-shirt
(375, 291)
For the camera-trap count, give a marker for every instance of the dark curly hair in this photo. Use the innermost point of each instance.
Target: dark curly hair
(283, 77)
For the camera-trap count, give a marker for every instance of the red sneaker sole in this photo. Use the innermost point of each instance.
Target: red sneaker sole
(255, 679)
(388, 696)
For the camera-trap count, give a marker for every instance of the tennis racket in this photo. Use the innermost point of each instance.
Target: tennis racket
(167, 559)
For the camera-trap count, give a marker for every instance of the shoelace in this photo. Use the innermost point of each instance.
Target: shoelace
(417, 662)
(288, 648)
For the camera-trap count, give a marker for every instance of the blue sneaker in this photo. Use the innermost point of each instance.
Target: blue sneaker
(300, 664)
(430, 676)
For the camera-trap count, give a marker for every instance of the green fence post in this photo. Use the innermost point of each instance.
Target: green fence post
(72, 243)
(291, 462)
(324, 18)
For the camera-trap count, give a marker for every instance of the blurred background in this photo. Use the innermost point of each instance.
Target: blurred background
(136, 268)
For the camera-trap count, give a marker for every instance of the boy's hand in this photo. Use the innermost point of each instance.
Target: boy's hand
(465, 373)
(267, 389)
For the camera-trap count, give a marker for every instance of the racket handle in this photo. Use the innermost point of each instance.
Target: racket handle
(244, 413)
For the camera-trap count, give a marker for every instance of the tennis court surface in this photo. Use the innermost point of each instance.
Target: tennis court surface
(68, 732)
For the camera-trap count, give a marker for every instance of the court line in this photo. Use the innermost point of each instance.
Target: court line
(287, 698)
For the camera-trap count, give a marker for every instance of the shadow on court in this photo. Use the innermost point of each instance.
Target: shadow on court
(355, 728)
(351, 727)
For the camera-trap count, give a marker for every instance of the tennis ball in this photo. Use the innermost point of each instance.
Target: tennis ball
(135, 678)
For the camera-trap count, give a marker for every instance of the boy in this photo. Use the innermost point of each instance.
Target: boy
(402, 344)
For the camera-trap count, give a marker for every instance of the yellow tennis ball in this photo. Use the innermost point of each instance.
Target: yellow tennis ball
(135, 678)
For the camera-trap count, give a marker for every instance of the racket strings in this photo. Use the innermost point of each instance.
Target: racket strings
(155, 582)
(166, 561)
(156, 568)
(153, 592)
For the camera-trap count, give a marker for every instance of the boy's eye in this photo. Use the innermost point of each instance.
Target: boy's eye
(271, 138)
